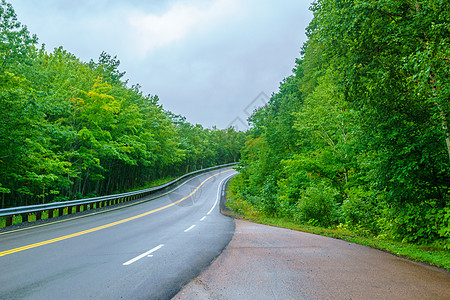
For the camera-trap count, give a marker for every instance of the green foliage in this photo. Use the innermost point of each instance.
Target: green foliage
(360, 211)
(435, 253)
(423, 222)
(443, 217)
(318, 206)
(16, 43)
(359, 133)
(70, 129)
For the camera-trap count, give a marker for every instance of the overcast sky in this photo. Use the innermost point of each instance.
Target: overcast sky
(207, 60)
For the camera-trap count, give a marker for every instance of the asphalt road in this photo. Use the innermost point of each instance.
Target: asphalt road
(145, 251)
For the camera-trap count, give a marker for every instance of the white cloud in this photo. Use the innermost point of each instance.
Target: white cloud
(151, 31)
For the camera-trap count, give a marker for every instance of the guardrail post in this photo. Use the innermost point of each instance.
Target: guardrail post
(24, 217)
(8, 220)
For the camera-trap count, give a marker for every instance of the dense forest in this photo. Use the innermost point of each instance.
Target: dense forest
(358, 136)
(70, 129)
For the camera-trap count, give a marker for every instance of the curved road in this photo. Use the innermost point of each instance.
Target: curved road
(145, 251)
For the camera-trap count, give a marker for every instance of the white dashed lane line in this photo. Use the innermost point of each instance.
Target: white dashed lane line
(189, 228)
(143, 255)
(148, 253)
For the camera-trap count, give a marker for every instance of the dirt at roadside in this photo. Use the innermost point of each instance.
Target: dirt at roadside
(264, 262)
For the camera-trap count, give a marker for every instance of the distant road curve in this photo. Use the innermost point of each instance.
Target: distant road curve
(146, 251)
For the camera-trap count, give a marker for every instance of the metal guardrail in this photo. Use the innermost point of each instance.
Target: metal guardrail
(58, 208)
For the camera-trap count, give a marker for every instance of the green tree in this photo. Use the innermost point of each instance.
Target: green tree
(361, 128)
(16, 43)
(69, 129)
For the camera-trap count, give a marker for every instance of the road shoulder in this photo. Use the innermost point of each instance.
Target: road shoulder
(265, 262)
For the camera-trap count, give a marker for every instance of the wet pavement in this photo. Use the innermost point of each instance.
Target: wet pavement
(264, 262)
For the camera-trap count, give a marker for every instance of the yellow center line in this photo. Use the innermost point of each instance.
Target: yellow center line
(65, 237)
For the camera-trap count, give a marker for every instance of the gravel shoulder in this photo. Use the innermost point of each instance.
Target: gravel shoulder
(265, 262)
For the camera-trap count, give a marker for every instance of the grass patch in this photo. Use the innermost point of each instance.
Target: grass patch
(429, 254)
(31, 218)
(16, 219)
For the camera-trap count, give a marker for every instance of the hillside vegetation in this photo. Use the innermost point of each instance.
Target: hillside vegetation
(358, 136)
(69, 129)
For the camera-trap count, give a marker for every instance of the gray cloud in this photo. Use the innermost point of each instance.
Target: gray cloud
(206, 60)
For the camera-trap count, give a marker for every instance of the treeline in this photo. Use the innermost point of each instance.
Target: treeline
(359, 134)
(71, 129)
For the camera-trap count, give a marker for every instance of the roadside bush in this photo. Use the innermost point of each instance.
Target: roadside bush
(236, 200)
(359, 211)
(318, 206)
(444, 226)
(269, 200)
(290, 189)
(419, 223)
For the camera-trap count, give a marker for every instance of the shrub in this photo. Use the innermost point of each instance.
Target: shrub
(359, 210)
(419, 222)
(318, 205)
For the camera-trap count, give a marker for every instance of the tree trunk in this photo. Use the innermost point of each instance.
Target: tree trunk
(445, 128)
(85, 182)
(442, 114)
